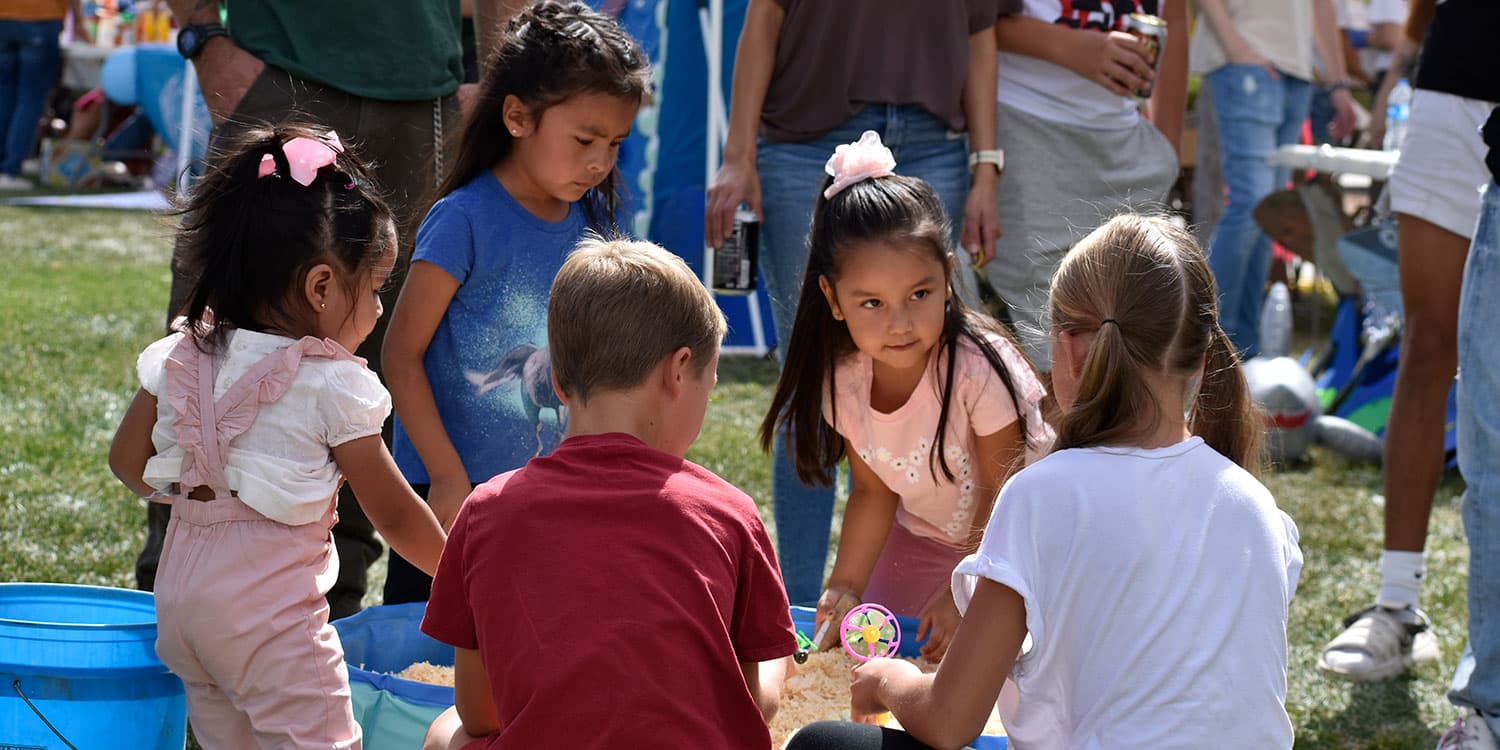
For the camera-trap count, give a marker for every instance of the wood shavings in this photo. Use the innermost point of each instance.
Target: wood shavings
(432, 674)
(819, 690)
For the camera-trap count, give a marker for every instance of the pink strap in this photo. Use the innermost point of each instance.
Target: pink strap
(189, 389)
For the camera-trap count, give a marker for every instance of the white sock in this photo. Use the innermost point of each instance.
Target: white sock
(1401, 576)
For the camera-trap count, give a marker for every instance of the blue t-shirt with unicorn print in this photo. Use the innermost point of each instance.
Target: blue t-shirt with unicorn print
(487, 362)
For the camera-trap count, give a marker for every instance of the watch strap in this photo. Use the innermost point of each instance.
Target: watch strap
(993, 156)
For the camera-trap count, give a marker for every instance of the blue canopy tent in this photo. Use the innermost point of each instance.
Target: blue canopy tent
(691, 44)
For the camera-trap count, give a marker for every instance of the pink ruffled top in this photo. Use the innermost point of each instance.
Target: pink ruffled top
(259, 418)
(897, 446)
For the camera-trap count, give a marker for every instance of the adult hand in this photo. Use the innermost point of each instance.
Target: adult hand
(1343, 114)
(981, 216)
(446, 496)
(832, 606)
(225, 73)
(1241, 53)
(736, 182)
(1117, 61)
(937, 622)
(866, 680)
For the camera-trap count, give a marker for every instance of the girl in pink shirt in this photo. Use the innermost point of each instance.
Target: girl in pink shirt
(933, 404)
(248, 419)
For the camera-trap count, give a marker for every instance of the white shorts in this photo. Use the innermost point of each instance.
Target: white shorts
(1441, 170)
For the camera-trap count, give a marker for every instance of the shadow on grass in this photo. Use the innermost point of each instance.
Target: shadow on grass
(1377, 715)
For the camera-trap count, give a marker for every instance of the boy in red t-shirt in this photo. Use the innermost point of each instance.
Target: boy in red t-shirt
(612, 594)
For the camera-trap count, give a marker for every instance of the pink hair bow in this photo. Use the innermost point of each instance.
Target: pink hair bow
(861, 160)
(304, 157)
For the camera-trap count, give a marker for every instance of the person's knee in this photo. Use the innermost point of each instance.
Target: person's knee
(446, 731)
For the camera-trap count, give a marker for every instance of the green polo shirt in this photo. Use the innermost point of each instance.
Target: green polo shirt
(397, 50)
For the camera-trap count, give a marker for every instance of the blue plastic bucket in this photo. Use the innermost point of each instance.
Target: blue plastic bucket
(84, 657)
(379, 641)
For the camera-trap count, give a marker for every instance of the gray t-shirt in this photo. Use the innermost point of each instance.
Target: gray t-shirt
(836, 56)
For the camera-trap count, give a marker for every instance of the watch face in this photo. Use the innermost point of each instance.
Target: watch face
(188, 41)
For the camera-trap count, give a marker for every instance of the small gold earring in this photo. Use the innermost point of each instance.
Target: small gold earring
(322, 305)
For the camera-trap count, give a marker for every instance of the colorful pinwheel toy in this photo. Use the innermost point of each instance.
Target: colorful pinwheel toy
(870, 630)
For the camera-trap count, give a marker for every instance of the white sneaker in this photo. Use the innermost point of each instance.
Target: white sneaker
(1470, 732)
(13, 184)
(1379, 643)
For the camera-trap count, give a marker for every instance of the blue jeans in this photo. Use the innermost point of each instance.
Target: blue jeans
(1476, 684)
(1255, 114)
(790, 176)
(29, 61)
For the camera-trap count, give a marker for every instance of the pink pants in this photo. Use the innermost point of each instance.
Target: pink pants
(242, 620)
(909, 571)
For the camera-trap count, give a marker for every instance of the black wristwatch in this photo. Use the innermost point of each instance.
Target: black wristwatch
(192, 38)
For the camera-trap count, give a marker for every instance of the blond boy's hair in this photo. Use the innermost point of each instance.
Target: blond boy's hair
(619, 307)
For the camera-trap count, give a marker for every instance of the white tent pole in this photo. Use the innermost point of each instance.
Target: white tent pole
(185, 125)
(711, 23)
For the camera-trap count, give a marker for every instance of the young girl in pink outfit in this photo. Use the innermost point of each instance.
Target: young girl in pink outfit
(932, 403)
(247, 420)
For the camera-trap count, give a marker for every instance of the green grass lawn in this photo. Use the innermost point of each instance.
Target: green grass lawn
(83, 292)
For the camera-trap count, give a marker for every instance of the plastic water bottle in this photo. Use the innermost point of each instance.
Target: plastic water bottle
(1397, 111)
(1276, 322)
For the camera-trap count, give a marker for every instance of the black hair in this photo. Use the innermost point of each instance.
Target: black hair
(902, 211)
(550, 52)
(247, 241)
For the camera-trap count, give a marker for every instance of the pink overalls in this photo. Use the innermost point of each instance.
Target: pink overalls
(239, 597)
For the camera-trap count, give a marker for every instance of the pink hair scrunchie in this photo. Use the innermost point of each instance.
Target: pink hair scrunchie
(304, 157)
(861, 160)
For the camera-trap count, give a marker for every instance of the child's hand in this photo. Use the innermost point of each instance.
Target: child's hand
(832, 606)
(865, 701)
(938, 622)
(446, 496)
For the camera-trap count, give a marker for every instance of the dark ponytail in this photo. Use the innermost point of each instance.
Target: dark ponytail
(550, 52)
(247, 241)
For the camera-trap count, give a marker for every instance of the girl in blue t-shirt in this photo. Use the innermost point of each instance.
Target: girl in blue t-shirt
(466, 353)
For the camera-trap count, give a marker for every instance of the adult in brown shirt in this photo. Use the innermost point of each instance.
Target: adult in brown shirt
(810, 75)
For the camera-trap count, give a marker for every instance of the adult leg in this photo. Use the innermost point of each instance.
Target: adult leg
(403, 140)
(1382, 641)
(37, 63)
(10, 80)
(1248, 112)
(1435, 194)
(1476, 685)
(790, 176)
(1431, 260)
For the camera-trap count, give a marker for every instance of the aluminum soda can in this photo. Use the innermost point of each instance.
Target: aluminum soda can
(734, 261)
(1153, 33)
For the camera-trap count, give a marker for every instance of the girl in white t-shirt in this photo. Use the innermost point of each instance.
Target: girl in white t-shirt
(932, 404)
(1149, 568)
(247, 420)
